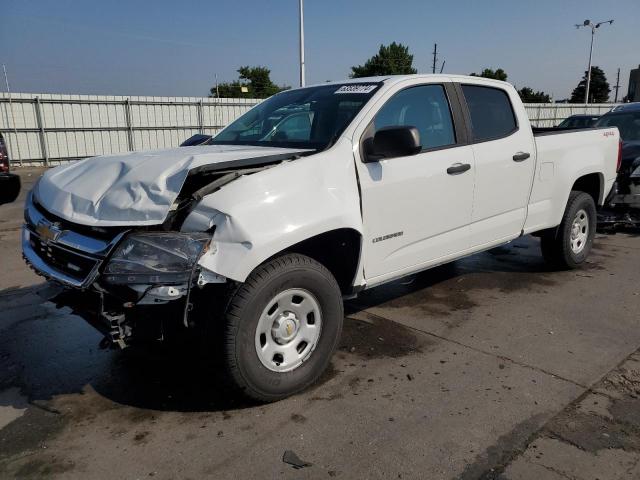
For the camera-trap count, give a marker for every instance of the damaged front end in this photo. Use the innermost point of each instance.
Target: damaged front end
(131, 284)
(129, 257)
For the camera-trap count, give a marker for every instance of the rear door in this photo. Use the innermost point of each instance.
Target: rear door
(414, 211)
(504, 152)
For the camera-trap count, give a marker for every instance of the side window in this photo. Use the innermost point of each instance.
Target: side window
(491, 112)
(425, 107)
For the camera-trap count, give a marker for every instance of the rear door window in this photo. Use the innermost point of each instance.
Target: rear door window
(491, 112)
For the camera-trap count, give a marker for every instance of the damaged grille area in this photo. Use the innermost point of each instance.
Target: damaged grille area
(67, 253)
(71, 263)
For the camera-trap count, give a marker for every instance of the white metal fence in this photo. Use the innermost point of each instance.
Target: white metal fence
(47, 129)
(51, 128)
(551, 114)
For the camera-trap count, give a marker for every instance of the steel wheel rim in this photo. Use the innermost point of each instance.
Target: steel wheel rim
(288, 330)
(579, 231)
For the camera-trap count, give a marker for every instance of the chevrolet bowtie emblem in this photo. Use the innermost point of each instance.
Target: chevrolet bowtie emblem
(48, 232)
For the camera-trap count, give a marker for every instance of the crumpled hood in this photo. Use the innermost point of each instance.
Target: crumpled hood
(136, 188)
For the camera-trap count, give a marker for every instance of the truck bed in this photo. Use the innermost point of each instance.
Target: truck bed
(540, 131)
(564, 154)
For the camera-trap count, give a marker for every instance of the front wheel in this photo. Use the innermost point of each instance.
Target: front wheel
(568, 245)
(282, 327)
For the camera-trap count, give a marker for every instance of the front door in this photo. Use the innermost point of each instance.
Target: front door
(417, 209)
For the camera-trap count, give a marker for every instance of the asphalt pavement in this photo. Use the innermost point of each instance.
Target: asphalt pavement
(491, 367)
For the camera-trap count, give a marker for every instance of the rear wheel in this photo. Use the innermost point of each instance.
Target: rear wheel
(282, 327)
(569, 245)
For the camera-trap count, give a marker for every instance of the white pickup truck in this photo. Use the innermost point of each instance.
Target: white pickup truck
(254, 239)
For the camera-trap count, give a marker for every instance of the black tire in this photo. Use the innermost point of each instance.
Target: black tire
(556, 243)
(244, 367)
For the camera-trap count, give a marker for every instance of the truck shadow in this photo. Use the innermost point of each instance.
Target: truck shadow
(450, 287)
(48, 352)
(50, 358)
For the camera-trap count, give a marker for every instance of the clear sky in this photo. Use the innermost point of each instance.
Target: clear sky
(175, 48)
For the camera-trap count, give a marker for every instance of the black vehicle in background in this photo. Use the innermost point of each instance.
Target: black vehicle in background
(579, 121)
(197, 139)
(9, 182)
(623, 203)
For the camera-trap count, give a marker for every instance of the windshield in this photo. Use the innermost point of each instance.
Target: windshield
(627, 123)
(311, 117)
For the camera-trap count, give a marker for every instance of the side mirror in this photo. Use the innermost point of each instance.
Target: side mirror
(390, 142)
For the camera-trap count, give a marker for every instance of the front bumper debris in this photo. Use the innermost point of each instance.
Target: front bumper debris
(74, 257)
(122, 323)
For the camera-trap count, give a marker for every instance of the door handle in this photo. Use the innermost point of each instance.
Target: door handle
(520, 156)
(458, 168)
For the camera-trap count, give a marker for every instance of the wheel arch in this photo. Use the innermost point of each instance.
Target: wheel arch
(338, 250)
(592, 184)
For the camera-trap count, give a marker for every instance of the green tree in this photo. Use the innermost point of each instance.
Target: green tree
(498, 74)
(599, 89)
(253, 82)
(529, 96)
(393, 59)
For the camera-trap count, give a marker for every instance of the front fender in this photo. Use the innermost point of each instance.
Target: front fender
(262, 214)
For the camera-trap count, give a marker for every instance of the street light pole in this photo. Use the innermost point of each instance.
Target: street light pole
(589, 23)
(586, 92)
(301, 8)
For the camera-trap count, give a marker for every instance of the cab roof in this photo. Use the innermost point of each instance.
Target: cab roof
(391, 79)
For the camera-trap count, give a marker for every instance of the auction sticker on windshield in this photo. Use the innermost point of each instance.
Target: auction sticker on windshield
(356, 89)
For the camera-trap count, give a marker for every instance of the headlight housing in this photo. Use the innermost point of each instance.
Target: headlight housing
(156, 258)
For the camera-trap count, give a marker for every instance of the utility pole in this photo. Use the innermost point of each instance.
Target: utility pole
(435, 57)
(442, 67)
(617, 87)
(301, 9)
(589, 23)
(13, 118)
